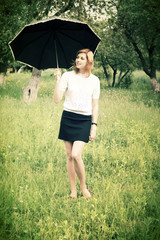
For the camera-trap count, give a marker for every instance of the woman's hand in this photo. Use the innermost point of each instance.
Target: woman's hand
(57, 74)
(93, 133)
(58, 94)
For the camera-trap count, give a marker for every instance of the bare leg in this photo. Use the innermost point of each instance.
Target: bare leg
(71, 169)
(77, 149)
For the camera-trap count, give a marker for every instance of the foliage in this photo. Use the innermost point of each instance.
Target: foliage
(140, 22)
(9, 23)
(14, 15)
(122, 168)
(115, 51)
(126, 82)
(87, 9)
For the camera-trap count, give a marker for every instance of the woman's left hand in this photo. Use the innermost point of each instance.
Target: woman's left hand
(92, 133)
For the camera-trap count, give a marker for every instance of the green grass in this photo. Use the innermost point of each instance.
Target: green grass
(122, 168)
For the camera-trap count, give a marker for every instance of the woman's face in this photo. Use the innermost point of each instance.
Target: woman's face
(81, 61)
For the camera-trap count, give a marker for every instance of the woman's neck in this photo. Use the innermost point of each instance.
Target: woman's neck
(83, 73)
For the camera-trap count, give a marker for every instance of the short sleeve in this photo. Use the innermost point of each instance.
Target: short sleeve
(96, 90)
(63, 82)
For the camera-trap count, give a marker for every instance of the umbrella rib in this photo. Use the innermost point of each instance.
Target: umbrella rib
(89, 30)
(33, 40)
(37, 43)
(61, 46)
(44, 50)
(71, 37)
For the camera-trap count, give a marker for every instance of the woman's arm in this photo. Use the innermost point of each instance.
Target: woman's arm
(94, 119)
(58, 94)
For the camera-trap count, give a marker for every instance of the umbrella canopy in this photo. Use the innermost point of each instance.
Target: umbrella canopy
(53, 43)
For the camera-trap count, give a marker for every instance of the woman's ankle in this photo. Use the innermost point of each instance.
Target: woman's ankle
(83, 187)
(73, 193)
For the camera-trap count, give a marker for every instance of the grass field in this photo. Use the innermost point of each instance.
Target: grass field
(122, 167)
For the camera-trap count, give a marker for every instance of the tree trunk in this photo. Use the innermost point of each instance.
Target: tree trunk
(114, 77)
(155, 85)
(2, 79)
(105, 70)
(106, 75)
(120, 77)
(151, 70)
(30, 92)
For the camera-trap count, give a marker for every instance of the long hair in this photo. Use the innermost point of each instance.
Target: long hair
(90, 61)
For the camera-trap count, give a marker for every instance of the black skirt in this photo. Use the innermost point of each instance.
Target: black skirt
(74, 127)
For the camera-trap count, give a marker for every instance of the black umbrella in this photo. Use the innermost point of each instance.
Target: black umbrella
(53, 43)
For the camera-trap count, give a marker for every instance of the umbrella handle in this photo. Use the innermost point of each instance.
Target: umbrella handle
(56, 53)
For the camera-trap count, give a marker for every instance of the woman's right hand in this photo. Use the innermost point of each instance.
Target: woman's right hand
(57, 74)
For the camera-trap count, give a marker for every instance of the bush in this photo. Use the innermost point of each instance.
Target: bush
(126, 82)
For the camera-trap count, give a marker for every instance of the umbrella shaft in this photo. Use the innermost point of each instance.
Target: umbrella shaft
(56, 53)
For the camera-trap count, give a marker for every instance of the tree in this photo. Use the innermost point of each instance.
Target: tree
(115, 51)
(15, 14)
(139, 20)
(30, 92)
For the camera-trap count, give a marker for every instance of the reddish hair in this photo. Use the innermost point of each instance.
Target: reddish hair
(90, 60)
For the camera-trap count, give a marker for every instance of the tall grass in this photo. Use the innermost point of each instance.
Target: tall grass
(122, 169)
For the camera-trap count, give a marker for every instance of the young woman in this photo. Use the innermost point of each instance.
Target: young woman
(79, 118)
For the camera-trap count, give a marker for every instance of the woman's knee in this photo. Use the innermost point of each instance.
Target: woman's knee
(76, 156)
(68, 147)
(69, 156)
(77, 150)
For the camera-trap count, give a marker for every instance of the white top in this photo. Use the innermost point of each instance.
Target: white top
(79, 92)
